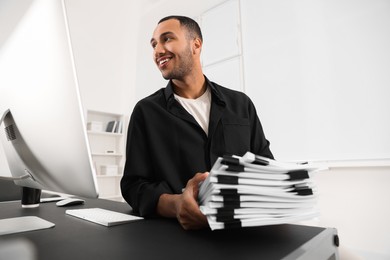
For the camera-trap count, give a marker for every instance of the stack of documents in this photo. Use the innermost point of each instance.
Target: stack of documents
(254, 191)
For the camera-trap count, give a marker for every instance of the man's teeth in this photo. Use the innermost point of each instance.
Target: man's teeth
(163, 61)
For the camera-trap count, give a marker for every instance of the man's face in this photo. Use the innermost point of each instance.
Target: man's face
(172, 50)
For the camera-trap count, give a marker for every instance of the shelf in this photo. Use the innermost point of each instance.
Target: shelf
(109, 176)
(101, 141)
(107, 154)
(102, 113)
(105, 133)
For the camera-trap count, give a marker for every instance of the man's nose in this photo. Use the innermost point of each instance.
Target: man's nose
(158, 50)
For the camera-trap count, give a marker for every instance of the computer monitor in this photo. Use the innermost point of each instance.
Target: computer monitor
(42, 132)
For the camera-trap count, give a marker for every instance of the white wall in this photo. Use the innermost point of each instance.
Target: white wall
(103, 35)
(356, 201)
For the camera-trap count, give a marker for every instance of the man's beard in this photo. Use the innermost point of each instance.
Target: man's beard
(183, 69)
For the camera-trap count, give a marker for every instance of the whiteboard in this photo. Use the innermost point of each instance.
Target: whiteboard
(220, 30)
(218, 73)
(317, 71)
(319, 74)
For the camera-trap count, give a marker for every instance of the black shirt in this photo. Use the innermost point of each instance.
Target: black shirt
(166, 146)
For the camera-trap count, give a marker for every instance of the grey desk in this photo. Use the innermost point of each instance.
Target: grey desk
(74, 238)
(9, 191)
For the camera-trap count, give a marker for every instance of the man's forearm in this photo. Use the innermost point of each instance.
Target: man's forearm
(167, 205)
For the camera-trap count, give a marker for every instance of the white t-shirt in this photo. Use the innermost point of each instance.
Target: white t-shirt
(199, 108)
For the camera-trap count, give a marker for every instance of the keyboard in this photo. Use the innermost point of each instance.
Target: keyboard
(102, 216)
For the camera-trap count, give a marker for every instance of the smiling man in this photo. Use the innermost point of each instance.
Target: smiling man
(176, 134)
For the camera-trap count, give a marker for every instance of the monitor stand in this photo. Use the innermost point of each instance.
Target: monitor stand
(10, 133)
(30, 199)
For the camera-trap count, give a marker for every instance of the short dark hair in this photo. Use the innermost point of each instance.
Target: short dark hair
(191, 25)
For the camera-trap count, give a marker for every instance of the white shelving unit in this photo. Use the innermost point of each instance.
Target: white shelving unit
(107, 151)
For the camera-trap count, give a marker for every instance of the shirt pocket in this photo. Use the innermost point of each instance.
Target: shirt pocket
(236, 135)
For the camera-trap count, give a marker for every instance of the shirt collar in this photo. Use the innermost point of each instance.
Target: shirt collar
(217, 96)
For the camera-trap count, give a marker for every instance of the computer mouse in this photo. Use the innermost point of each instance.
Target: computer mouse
(70, 202)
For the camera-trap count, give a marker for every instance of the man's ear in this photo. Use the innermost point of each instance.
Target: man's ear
(197, 46)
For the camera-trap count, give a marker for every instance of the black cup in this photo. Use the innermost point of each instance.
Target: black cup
(30, 197)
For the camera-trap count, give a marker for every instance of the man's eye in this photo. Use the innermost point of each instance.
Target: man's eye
(167, 39)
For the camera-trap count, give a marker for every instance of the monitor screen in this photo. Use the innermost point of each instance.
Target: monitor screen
(42, 131)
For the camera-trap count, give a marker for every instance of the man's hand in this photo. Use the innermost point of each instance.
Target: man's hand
(187, 210)
(185, 206)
